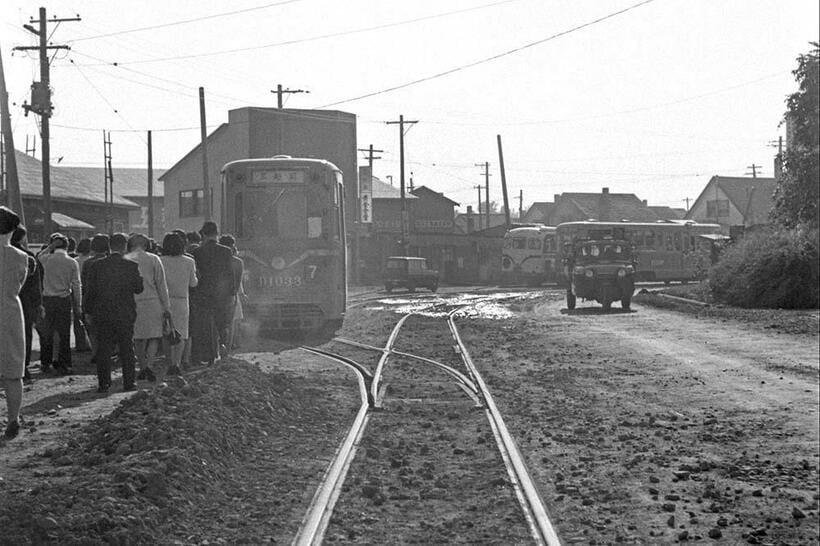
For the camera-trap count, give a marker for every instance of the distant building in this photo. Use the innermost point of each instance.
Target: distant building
(668, 213)
(471, 221)
(734, 201)
(539, 212)
(77, 201)
(133, 185)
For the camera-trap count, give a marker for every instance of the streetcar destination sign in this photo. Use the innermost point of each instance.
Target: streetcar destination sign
(277, 176)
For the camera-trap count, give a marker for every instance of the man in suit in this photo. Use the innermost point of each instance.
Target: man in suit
(212, 299)
(111, 310)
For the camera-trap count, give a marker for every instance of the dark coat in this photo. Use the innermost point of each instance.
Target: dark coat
(112, 283)
(31, 294)
(215, 271)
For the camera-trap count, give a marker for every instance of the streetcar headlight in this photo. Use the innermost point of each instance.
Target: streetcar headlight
(589, 273)
(622, 272)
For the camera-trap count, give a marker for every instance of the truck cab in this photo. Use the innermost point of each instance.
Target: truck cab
(600, 270)
(409, 272)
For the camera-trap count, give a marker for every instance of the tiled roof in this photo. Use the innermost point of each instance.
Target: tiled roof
(668, 213)
(621, 206)
(739, 191)
(382, 190)
(65, 184)
(434, 193)
(128, 182)
(539, 211)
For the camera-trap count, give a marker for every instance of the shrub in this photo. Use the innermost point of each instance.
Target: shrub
(773, 269)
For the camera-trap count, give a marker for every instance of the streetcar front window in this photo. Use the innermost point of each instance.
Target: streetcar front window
(534, 244)
(519, 243)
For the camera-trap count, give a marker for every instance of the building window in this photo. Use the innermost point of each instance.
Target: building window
(191, 203)
(717, 208)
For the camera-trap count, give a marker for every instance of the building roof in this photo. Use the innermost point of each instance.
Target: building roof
(66, 185)
(433, 193)
(193, 150)
(538, 211)
(383, 190)
(128, 182)
(668, 213)
(621, 206)
(756, 194)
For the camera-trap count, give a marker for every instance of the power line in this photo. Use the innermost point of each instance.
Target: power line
(491, 58)
(186, 21)
(319, 37)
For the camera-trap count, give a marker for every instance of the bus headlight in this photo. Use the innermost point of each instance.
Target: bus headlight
(622, 272)
(589, 273)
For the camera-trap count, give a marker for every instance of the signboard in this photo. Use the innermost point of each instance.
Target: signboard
(277, 176)
(365, 196)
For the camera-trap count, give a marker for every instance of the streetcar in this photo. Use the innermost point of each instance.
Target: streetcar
(287, 215)
(666, 250)
(529, 255)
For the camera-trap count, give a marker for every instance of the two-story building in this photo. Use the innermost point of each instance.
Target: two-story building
(734, 201)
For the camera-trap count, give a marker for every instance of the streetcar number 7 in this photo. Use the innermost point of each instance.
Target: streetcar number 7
(312, 271)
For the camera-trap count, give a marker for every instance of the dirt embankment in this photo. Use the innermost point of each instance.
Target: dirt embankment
(230, 455)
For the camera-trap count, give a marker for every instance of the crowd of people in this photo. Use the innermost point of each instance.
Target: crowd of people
(127, 298)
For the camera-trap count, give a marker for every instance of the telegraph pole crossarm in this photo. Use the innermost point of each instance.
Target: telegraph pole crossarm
(404, 217)
(486, 166)
(280, 92)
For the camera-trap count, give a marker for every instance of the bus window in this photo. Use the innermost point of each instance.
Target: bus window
(678, 241)
(650, 238)
(534, 244)
(519, 243)
(239, 215)
(549, 243)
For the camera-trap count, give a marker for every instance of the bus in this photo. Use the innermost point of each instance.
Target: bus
(666, 250)
(288, 217)
(529, 255)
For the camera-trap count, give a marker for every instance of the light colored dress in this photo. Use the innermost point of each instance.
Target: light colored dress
(180, 275)
(13, 268)
(153, 300)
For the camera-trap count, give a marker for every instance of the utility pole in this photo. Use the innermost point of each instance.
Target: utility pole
(405, 222)
(150, 187)
(279, 92)
(754, 169)
(503, 182)
(478, 187)
(109, 183)
(370, 157)
(486, 166)
(12, 186)
(687, 199)
(359, 220)
(32, 150)
(41, 104)
(203, 131)
(520, 205)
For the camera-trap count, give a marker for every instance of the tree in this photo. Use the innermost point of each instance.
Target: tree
(798, 190)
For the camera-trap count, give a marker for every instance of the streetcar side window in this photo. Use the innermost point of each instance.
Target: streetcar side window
(678, 242)
(670, 244)
(519, 243)
(649, 240)
(534, 244)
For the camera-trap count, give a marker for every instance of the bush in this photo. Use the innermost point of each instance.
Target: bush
(774, 269)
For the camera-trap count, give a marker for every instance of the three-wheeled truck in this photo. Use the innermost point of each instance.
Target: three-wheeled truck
(599, 270)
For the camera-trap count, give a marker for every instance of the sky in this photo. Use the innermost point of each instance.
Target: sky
(646, 97)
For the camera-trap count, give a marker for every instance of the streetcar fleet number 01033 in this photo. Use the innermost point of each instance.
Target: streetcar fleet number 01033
(287, 281)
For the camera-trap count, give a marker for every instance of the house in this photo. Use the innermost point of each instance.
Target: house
(470, 221)
(604, 206)
(668, 213)
(133, 185)
(539, 212)
(78, 202)
(734, 201)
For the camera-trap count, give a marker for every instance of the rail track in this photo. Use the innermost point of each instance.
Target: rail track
(375, 390)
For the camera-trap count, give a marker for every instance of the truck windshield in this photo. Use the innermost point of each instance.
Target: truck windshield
(606, 251)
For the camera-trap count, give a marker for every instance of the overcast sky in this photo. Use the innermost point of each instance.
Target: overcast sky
(653, 100)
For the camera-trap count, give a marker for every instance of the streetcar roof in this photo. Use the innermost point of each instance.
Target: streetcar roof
(530, 229)
(284, 161)
(659, 223)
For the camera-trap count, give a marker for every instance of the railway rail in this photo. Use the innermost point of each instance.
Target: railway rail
(373, 390)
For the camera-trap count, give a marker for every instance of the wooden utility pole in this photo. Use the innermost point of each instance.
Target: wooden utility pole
(279, 92)
(13, 197)
(41, 104)
(206, 189)
(520, 205)
(109, 183)
(754, 169)
(478, 187)
(150, 187)
(486, 166)
(503, 182)
(370, 157)
(405, 222)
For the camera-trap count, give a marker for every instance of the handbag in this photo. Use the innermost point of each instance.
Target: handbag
(169, 332)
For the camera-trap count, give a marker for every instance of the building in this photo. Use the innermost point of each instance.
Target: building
(604, 206)
(539, 212)
(470, 221)
(734, 201)
(133, 185)
(257, 133)
(78, 204)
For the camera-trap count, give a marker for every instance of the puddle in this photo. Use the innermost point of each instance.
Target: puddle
(487, 306)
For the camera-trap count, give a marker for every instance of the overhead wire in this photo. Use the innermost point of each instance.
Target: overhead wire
(490, 58)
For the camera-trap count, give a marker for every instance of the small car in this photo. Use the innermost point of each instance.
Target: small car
(603, 271)
(409, 272)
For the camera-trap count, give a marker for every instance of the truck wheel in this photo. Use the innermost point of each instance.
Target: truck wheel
(570, 300)
(433, 288)
(607, 305)
(625, 303)
(411, 287)
(388, 288)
